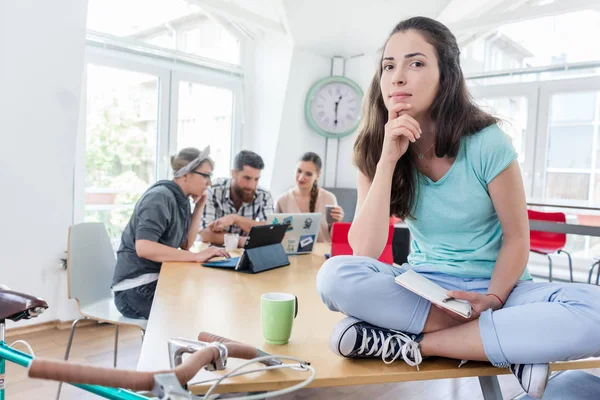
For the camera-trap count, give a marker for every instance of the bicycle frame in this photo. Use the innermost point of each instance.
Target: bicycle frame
(23, 359)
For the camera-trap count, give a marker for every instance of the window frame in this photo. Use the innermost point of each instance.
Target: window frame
(168, 69)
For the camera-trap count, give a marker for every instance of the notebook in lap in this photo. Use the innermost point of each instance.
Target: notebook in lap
(433, 292)
(302, 233)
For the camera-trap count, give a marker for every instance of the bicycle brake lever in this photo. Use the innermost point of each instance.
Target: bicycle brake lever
(167, 387)
(179, 346)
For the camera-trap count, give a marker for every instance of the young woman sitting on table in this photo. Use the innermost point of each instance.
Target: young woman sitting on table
(162, 228)
(428, 154)
(308, 197)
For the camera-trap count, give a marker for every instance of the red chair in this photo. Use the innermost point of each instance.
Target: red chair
(547, 243)
(341, 247)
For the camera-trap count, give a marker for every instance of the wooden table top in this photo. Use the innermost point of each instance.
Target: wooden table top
(191, 298)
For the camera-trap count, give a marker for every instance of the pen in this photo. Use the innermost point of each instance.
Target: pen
(447, 299)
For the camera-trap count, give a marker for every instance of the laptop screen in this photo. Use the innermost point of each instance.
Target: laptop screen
(302, 232)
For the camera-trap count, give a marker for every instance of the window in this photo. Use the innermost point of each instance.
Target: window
(555, 127)
(171, 24)
(566, 38)
(551, 112)
(572, 147)
(121, 139)
(142, 108)
(204, 118)
(512, 112)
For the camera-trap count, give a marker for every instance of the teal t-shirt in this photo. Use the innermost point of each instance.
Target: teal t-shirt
(456, 228)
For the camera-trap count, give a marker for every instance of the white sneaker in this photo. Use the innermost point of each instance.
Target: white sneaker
(353, 338)
(532, 377)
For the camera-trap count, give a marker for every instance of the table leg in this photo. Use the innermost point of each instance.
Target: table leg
(490, 387)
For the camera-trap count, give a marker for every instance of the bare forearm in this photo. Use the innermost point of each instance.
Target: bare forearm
(160, 253)
(512, 261)
(246, 224)
(209, 236)
(372, 219)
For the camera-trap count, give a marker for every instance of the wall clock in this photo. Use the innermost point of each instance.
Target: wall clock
(333, 106)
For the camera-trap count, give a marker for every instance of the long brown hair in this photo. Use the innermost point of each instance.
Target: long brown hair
(314, 191)
(453, 111)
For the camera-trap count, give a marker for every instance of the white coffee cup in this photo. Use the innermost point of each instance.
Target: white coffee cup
(231, 241)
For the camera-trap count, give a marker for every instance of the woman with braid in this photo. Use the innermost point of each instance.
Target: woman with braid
(307, 196)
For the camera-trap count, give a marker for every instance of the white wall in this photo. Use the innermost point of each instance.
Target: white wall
(41, 61)
(295, 136)
(360, 70)
(267, 74)
(276, 127)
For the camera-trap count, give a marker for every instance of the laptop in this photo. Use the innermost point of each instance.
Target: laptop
(302, 232)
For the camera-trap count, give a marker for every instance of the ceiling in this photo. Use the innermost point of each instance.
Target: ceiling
(351, 27)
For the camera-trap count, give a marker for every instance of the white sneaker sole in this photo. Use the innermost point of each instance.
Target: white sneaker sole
(538, 392)
(338, 331)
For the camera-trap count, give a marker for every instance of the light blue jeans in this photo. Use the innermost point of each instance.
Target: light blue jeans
(540, 322)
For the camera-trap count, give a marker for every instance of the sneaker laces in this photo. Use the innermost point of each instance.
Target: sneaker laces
(394, 346)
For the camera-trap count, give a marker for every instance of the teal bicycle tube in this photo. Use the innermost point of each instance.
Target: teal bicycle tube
(2, 378)
(24, 359)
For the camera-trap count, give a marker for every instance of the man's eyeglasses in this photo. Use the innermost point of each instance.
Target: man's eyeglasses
(207, 176)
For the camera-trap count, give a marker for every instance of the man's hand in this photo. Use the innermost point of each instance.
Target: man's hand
(221, 224)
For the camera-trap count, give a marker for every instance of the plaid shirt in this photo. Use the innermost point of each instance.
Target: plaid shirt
(219, 204)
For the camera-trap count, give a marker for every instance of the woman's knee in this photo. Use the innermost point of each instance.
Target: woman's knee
(580, 294)
(328, 277)
(583, 300)
(337, 278)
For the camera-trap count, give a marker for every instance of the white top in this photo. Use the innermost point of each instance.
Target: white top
(135, 282)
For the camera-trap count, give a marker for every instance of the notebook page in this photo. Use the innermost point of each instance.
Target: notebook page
(433, 292)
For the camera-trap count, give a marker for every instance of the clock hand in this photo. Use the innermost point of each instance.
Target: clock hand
(337, 103)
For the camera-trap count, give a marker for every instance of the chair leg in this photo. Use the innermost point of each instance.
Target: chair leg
(68, 351)
(549, 267)
(592, 272)
(116, 344)
(570, 264)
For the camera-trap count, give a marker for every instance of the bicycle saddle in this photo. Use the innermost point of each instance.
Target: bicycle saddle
(16, 306)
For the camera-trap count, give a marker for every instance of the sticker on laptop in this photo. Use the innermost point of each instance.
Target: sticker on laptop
(307, 223)
(306, 243)
(291, 245)
(286, 221)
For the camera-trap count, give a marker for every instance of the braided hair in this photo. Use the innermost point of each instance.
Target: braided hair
(314, 191)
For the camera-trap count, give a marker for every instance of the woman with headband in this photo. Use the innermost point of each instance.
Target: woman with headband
(162, 228)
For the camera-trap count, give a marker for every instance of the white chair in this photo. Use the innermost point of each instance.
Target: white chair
(90, 266)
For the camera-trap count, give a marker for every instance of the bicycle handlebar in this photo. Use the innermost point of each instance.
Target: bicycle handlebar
(134, 380)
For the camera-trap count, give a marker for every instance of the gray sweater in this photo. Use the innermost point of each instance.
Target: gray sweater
(162, 215)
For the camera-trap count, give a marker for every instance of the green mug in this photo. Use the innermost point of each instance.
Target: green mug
(278, 311)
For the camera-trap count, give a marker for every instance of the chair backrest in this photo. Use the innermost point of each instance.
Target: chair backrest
(90, 263)
(346, 198)
(547, 240)
(339, 232)
(340, 245)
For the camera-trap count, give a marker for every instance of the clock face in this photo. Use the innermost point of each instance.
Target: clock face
(335, 107)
